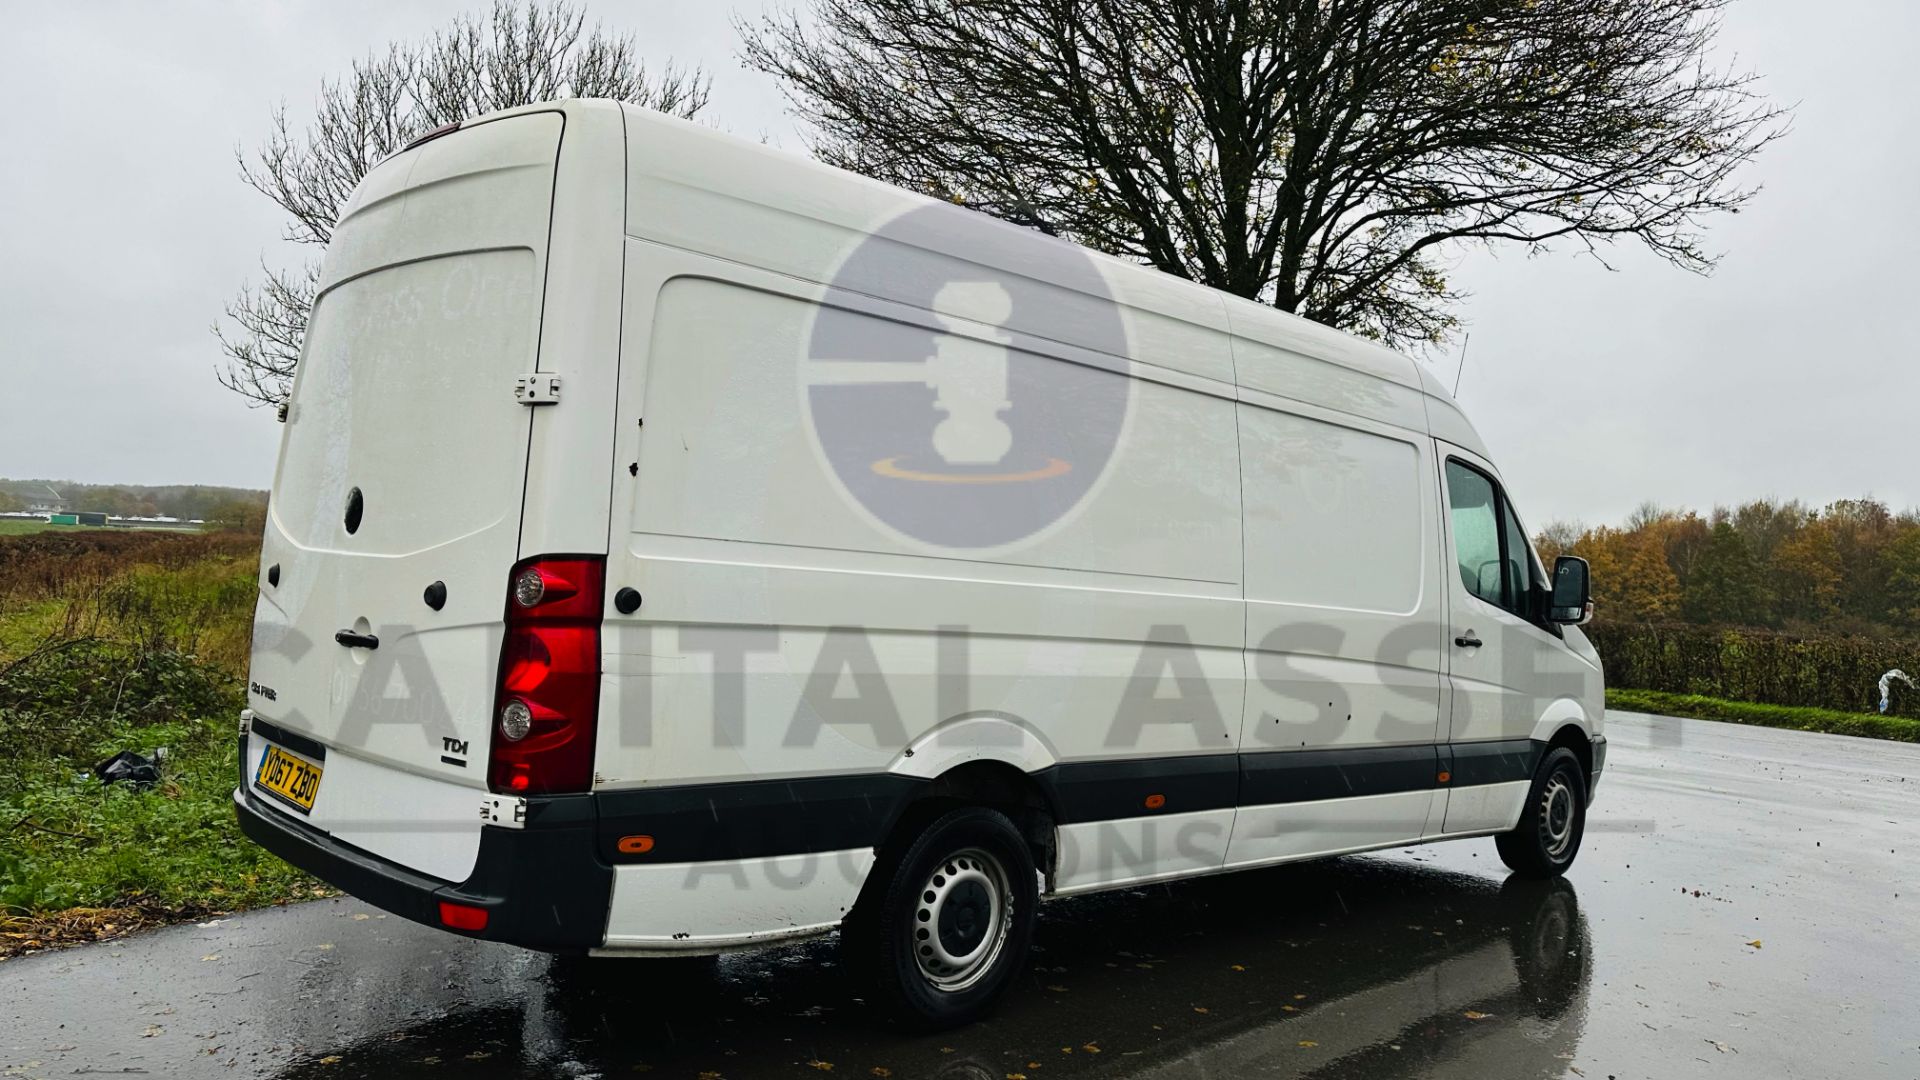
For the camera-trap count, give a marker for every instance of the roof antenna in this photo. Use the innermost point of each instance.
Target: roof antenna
(1025, 213)
(1462, 369)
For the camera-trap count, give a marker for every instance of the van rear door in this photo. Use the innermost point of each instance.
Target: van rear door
(396, 510)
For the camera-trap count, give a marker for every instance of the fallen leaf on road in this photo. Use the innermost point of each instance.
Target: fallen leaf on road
(1471, 1015)
(209, 958)
(1755, 943)
(1308, 1044)
(330, 1059)
(152, 1030)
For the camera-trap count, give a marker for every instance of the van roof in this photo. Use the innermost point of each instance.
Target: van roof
(693, 155)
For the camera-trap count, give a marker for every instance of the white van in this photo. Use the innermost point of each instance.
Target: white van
(679, 546)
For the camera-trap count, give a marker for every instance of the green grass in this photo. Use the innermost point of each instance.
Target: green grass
(23, 526)
(152, 656)
(1796, 718)
(74, 842)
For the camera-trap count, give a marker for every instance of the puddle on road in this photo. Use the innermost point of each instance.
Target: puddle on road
(1361, 967)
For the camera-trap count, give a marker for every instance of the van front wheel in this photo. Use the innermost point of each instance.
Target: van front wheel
(1548, 836)
(952, 921)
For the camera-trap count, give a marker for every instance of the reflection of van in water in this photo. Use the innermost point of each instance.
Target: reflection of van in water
(679, 546)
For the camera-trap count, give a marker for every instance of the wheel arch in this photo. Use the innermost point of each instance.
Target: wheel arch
(1574, 738)
(995, 783)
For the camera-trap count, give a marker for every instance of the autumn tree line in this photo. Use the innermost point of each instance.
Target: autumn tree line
(187, 502)
(1851, 567)
(1770, 601)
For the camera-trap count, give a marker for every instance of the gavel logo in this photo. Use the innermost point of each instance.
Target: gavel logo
(972, 432)
(969, 377)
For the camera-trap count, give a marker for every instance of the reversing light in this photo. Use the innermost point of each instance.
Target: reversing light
(515, 720)
(541, 585)
(530, 589)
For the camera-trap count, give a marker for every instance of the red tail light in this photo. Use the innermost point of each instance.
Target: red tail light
(548, 700)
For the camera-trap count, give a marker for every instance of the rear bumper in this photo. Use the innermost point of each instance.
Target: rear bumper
(543, 886)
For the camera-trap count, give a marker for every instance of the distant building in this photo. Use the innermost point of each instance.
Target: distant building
(51, 502)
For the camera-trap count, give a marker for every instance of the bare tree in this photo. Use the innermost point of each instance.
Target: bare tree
(1319, 155)
(514, 56)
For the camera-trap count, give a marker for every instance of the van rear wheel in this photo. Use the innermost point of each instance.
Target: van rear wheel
(950, 921)
(1548, 837)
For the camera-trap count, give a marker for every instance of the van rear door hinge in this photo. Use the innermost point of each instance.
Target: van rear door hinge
(537, 389)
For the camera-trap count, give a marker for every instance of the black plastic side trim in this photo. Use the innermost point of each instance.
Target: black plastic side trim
(1496, 762)
(1290, 776)
(1083, 791)
(754, 818)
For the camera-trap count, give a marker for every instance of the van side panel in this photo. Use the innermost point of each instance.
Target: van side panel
(1343, 630)
(787, 631)
(744, 547)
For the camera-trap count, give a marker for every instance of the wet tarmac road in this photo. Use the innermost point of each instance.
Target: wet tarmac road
(1746, 904)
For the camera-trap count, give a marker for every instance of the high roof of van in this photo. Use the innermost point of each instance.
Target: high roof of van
(695, 187)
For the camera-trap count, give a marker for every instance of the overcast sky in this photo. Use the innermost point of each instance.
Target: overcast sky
(1786, 373)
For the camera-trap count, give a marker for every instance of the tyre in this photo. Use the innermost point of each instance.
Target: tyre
(948, 922)
(1548, 836)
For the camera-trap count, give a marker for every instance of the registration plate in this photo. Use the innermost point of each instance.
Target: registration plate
(291, 779)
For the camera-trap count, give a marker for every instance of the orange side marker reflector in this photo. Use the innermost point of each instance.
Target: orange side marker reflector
(463, 916)
(1155, 802)
(635, 845)
(1445, 776)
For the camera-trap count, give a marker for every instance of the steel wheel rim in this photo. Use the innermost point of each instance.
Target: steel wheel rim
(961, 919)
(1558, 810)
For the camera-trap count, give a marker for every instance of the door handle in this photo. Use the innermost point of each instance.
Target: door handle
(1467, 641)
(356, 641)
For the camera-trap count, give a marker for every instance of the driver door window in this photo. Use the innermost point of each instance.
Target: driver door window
(1496, 561)
(1475, 510)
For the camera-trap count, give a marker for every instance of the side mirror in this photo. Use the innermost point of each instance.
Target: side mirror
(1572, 602)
